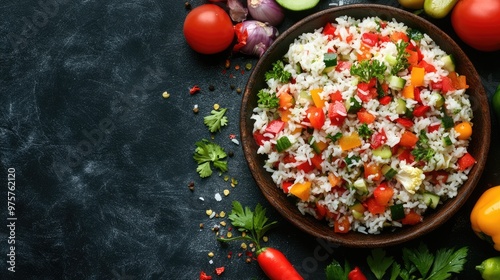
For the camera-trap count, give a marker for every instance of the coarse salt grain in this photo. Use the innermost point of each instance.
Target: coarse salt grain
(218, 197)
(235, 141)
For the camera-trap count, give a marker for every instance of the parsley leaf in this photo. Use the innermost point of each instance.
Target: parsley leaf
(415, 34)
(364, 131)
(207, 152)
(448, 261)
(334, 271)
(335, 137)
(267, 99)
(368, 69)
(255, 223)
(420, 258)
(422, 151)
(401, 58)
(216, 120)
(278, 72)
(379, 263)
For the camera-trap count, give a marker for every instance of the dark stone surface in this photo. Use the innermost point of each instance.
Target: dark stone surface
(103, 162)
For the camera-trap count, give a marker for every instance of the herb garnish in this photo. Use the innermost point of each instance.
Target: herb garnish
(216, 120)
(364, 131)
(368, 69)
(267, 99)
(207, 152)
(278, 72)
(401, 58)
(422, 151)
(415, 34)
(335, 137)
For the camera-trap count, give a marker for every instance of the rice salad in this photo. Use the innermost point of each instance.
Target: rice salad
(366, 124)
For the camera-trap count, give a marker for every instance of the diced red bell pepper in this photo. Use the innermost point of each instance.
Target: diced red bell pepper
(437, 177)
(433, 127)
(275, 127)
(399, 35)
(412, 57)
(373, 170)
(316, 117)
(412, 218)
(342, 225)
(337, 113)
(407, 123)
(316, 161)
(372, 206)
(329, 30)
(286, 186)
(408, 139)
(369, 38)
(336, 96)
(427, 66)
(320, 210)
(306, 167)
(378, 139)
(383, 193)
(416, 95)
(447, 85)
(259, 138)
(367, 91)
(343, 65)
(385, 100)
(466, 161)
(365, 117)
(420, 110)
(405, 155)
(436, 85)
(204, 276)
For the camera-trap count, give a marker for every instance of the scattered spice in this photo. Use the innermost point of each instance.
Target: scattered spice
(191, 186)
(243, 246)
(219, 270)
(227, 64)
(229, 254)
(238, 90)
(232, 87)
(223, 223)
(211, 254)
(229, 234)
(235, 141)
(204, 276)
(187, 5)
(194, 89)
(248, 66)
(218, 197)
(230, 153)
(209, 212)
(265, 238)
(211, 87)
(232, 136)
(226, 178)
(248, 260)
(222, 214)
(236, 67)
(216, 106)
(234, 182)
(202, 225)
(226, 192)
(165, 95)
(196, 109)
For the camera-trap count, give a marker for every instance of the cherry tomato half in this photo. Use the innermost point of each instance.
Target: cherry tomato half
(208, 29)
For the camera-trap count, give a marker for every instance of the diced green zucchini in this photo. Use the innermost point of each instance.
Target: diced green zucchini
(391, 59)
(389, 172)
(447, 141)
(431, 199)
(305, 96)
(449, 63)
(357, 210)
(383, 151)
(400, 106)
(330, 59)
(439, 99)
(360, 186)
(396, 83)
(283, 143)
(298, 68)
(447, 122)
(352, 105)
(397, 212)
(314, 145)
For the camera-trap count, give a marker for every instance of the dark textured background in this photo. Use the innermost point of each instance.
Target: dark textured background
(103, 162)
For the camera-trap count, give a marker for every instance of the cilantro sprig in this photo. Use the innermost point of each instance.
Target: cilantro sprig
(216, 120)
(401, 58)
(278, 73)
(368, 69)
(254, 223)
(207, 153)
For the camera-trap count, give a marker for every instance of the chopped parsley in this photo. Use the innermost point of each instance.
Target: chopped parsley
(401, 58)
(364, 131)
(335, 137)
(216, 120)
(334, 271)
(207, 152)
(368, 69)
(422, 151)
(267, 99)
(278, 72)
(415, 34)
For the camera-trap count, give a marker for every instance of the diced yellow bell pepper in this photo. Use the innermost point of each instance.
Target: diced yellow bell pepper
(301, 190)
(349, 142)
(417, 76)
(285, 115)
(409, 92)
(318, 102)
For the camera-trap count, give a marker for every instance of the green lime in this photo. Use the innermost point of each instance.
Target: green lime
(438, 8)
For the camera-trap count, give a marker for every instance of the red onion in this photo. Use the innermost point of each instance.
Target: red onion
(254, 37)
(237, 12)
(266, 11)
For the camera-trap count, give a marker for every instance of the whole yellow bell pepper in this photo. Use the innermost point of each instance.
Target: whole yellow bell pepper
(485, 217)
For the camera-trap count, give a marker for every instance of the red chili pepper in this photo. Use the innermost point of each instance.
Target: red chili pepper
(219, 270)
(356, 274)
(275, 265)
(204, 276)
(194, 90)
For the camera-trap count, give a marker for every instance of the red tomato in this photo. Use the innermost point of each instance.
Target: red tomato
(476, 22)
(370, 39)
(208, 29)
(378, 139)
(373, 206)
(337, 113)
(342, 225)
(383, 193)
(316, 117)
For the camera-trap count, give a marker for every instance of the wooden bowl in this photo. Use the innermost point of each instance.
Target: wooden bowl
(479, 144)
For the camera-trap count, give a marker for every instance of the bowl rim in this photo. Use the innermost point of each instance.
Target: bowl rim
(308, 225)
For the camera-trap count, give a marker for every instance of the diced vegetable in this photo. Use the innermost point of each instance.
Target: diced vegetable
(397, 212)
(350, 141)
(449, 63)
(360, 186)
(389, 172)
(357, 210)
(373, 206)
(365, 117)
(447, 141)
(408, 92)
(283, 143)
(301, 190)
(286, 100)
(383, 193)
(400, 106)
(412, 218)
(408, 139)
(330, 60)
(352, 105)
(464, 129)
(373, 171)
(466, 161)
(431, 199)
(383, 151)
(275, 126)
(318, 102)
(396, 83)
(417, 76)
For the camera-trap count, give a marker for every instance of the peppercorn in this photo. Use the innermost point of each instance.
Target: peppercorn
(238, 90)
(211, 87)
(187, 5)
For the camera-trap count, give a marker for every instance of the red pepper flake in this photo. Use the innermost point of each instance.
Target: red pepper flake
(248, 254)
(194, 90)
(242, 72)
(240, 254)
(204, 276)
(231, 75)
(232, 136)
(237, 67)
(219, 270)
(229, 255)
